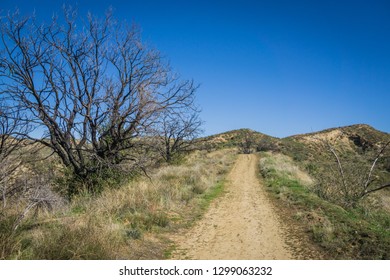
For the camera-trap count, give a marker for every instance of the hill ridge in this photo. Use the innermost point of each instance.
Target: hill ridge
(346, 127)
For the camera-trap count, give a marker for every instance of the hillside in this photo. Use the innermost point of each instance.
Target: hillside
(234, 137)
(359, 138)
(356, 148)
(346, 209)
(138, 218)
(313, 199)
(362, 130)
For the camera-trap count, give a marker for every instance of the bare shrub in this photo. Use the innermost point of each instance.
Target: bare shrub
(348, 181)
(247, 142)
(267, 144)
(39, 197)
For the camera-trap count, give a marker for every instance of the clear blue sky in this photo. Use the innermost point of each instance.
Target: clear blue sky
(278, 67)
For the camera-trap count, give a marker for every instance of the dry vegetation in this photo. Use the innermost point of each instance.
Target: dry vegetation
(122, 223)
(85, 108)
(133, 217)
(345, 209)
(362, 232)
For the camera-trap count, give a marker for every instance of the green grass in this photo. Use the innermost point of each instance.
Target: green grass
(352, 233)
(213, 193)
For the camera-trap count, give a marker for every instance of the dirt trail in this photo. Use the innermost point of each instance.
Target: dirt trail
(239, 225)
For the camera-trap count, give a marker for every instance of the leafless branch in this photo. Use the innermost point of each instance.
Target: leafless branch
(92, 90)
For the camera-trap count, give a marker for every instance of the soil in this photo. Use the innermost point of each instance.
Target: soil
(241, 224)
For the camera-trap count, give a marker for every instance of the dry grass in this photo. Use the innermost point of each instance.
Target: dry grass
(285, 166)
(342, 233)
(128, 222)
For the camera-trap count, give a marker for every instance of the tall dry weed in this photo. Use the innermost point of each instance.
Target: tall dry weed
(126, 222)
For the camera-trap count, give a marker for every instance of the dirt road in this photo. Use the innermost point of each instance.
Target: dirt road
(239, 225)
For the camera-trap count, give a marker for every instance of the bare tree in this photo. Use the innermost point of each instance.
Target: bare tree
(11, 126)
(90, 87)
(351, 181)
(177, 133)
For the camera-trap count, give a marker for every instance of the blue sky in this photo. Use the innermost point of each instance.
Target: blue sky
(278, 67)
